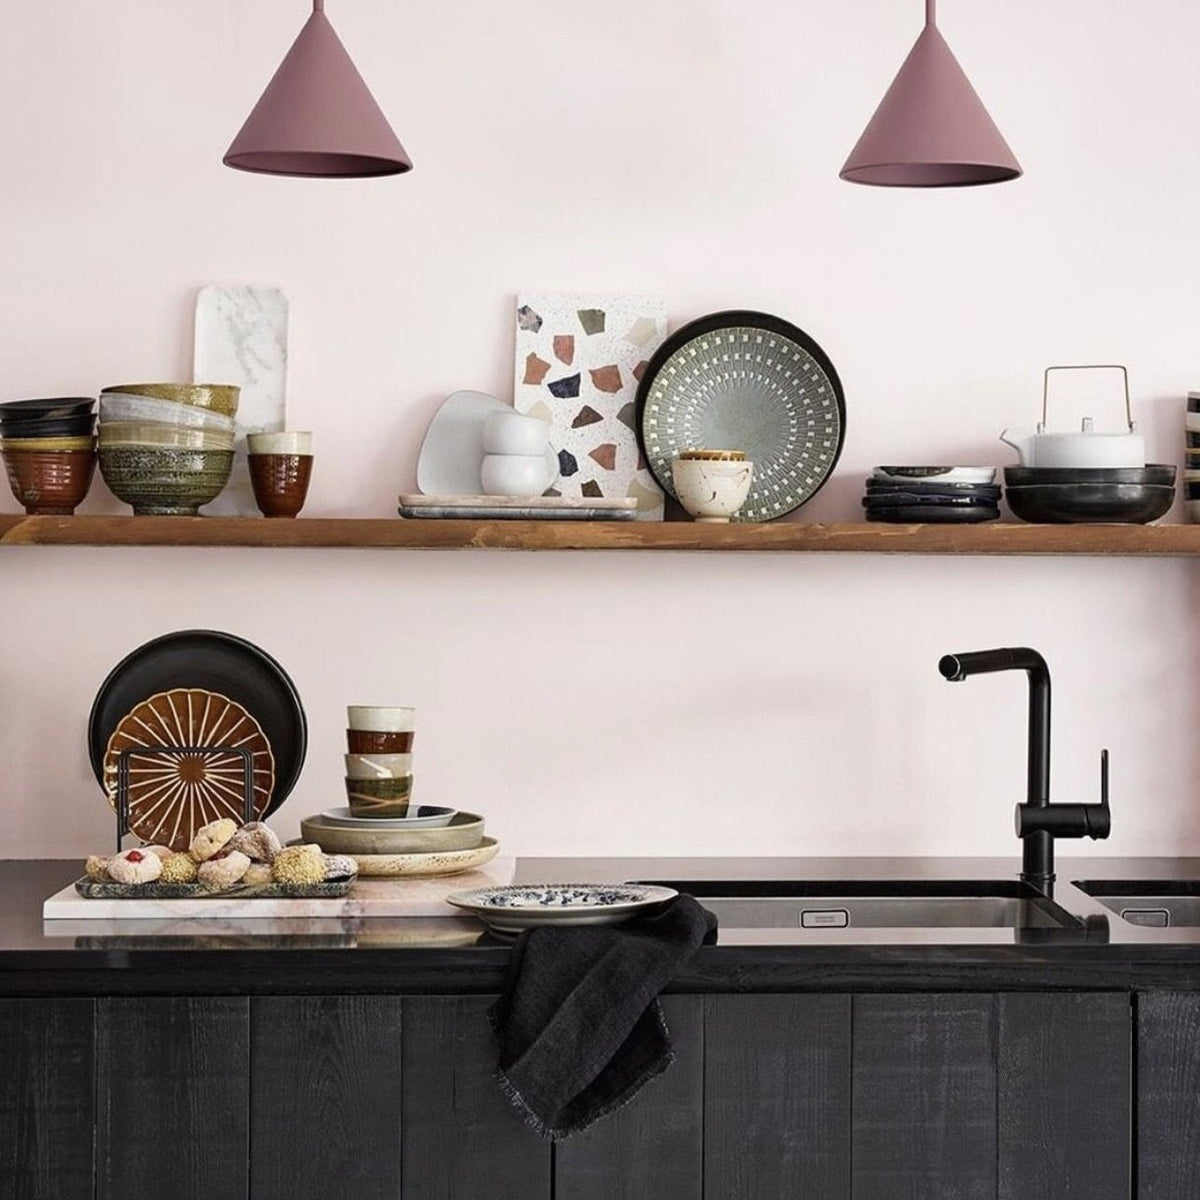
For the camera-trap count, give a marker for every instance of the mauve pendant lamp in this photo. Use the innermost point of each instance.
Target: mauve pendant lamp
(931, 130)
(317, 117)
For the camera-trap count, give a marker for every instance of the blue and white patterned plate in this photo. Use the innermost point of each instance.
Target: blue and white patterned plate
(523, 906)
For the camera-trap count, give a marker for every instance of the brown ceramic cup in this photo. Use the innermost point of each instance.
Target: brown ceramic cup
(380, 797)
(365, 741)
(50, 483)
(280, 482)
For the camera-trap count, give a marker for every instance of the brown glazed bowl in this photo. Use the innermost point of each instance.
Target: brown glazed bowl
(363, 741)
(50, 483)
(280, 482)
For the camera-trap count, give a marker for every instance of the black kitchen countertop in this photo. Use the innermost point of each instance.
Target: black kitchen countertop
(456, 956)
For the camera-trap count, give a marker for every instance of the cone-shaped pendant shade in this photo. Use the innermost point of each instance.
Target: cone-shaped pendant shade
(931, 129)
(317, 117)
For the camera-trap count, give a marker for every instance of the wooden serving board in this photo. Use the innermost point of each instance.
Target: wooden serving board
(365, 898)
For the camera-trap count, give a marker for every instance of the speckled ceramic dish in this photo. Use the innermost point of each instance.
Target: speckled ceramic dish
(218, 397)
(464, 832)
(413, 866)
(523, 906)
(162, 482)
(118, 406)
(426, 816)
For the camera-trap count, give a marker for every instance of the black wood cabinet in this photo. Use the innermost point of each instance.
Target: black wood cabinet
(956, 1096)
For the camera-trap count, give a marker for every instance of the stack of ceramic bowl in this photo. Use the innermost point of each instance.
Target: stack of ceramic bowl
(1192, 474)
(49, 452)
(932, 495)
(167, 448)
(517, 459)
(382, 830)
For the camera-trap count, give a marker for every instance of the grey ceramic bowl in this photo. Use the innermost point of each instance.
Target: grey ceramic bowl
(1090, 503)
(164, 482)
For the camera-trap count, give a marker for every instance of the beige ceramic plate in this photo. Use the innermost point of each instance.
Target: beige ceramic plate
(464, 832)
(171, 796)
(414, 866)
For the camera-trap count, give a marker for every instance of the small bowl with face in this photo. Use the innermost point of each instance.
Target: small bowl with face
(374, 718)
(49, 483)
(157, 481)
(364, 741)
(378, 766)
(217, 397)
(379, 797)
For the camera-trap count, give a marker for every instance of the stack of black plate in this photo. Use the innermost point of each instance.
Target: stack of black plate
(932, 495)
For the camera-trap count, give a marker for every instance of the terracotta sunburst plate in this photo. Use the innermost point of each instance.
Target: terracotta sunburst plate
(172, 795)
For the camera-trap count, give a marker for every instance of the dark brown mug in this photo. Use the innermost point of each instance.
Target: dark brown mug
(364, 741)
(280, 482)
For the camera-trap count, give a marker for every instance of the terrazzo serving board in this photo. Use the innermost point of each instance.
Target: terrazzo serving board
(242, 339)
(579, 361)
(367, 898)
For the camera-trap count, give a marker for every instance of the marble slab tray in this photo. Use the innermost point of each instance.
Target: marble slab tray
(367, 898)
(508, 508)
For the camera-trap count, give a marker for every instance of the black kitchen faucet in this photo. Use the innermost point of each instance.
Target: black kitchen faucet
(1038, 821)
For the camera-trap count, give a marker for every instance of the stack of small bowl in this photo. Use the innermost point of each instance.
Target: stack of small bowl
(49, 452)
(167, 448)
(379, 778)
(1192, 473)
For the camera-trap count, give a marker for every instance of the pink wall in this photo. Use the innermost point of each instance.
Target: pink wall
(689, 148)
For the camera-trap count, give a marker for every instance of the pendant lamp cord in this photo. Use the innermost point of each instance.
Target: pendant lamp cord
(319, 5)
(930, 12)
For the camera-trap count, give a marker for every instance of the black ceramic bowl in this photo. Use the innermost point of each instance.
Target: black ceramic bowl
(34, 410)
(1156, 475)
(1090, 503)
(81, 426)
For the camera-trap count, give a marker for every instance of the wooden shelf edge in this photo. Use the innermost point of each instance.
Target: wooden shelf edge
(398, 534)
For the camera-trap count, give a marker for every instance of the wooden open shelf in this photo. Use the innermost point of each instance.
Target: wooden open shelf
(397, 534)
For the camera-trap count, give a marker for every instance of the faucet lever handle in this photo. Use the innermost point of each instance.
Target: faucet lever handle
(1104, 780)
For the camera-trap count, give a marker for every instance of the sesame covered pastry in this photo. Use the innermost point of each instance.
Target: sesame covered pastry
(96, 867)
(179, 868)
(299, 865)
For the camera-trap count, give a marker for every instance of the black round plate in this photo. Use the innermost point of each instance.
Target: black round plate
(913, 500)
(217, 662)
(928, 514)
(745, 381)
(977, 491)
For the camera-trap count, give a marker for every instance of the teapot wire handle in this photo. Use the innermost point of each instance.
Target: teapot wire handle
(1086, 367)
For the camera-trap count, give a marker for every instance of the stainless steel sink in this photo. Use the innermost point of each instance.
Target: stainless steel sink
(1155, 904)
(822, 905)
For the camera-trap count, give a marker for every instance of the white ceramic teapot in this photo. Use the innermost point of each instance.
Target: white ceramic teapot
(1086, 448)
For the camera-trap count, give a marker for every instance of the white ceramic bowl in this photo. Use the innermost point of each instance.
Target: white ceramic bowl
(121, 406)
(378, 766)
(515, 475)
(712, 492)
(372, 718)
(280, 443)
(514, 433)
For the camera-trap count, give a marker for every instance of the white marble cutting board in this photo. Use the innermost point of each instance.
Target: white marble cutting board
(242, 339)
(367, 898)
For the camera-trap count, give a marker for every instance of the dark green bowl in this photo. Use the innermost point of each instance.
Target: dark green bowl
(162, 482)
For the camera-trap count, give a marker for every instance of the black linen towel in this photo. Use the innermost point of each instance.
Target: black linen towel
(579, 1022)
